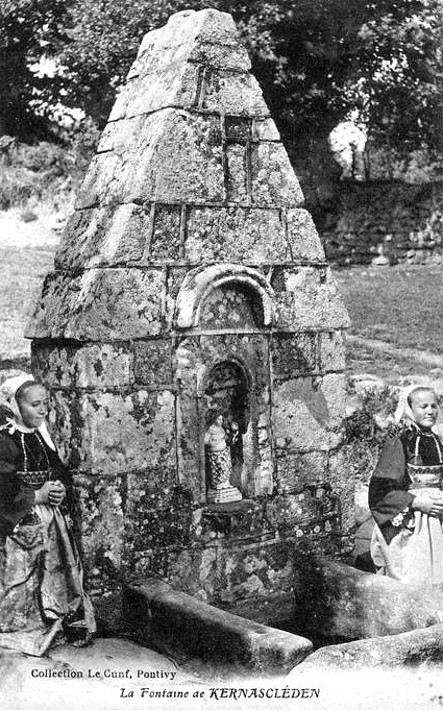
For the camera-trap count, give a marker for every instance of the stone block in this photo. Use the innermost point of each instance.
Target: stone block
(312, 512)
(274, 183)
(158, 88)
(190, 428)
(307, 299)
(117, 433)
(333, 388)
(237, 130)
(203, 235)
(104, 366)
(216, 56)
(253, 571)
(236, 234)
(54, 365)
(193, 570)
(174, 280)
(153, 363)
(157, 54)
(306, 415)
(232, 94)
(149, 489)
(147, 162)
(189, 26)
(303, 237)
(209, 25)
(100, 304)
(293, 354)
(160, 528)
(341, 477)
(101, 524)
(334, 601)
(332, 351)
(187, 363)
(236, 162)
(415, 648)
(165, 241)
(60, 422)
(190, 447)
(236, 521)
(295, 471)
(193, 627)
(264, 130)
(125, 135)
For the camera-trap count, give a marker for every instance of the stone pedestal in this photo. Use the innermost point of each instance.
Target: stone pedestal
(224, 495)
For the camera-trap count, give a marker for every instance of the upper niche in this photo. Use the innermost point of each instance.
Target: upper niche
(232, 305)
(225, 296)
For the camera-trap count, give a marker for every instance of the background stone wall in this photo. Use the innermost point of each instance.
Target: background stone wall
(399, 221)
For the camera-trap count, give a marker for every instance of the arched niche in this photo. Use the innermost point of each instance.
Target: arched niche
(227, 393)
(199, 283)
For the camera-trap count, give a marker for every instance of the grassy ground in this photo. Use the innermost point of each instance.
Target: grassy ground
(399, 305)
(21, 275)
(402, 305)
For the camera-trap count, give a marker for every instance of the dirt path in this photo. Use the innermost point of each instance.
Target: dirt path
(431, 360)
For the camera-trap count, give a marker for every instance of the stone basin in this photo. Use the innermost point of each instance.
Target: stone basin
(171, 621)
(336, 616)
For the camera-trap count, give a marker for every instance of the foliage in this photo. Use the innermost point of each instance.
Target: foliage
(396, 84)
(418, 166)
(317, 60)
(43, 170)
(29, 31)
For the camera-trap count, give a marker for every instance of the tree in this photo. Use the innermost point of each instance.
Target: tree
(316, 59)
(396, 86)
(103, 38)
(29, 31)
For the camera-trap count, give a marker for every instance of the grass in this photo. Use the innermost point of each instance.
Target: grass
(21, 275)
(402, 305)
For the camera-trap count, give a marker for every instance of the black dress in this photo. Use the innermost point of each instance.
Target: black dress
(41, 580)
(408, 544)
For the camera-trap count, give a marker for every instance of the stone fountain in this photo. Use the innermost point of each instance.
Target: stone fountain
(190, 284)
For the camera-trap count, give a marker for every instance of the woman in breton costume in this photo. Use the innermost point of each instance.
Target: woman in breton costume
(42, 601)
(405, 495)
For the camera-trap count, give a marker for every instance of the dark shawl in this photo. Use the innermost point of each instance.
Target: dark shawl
(388, 488)
(17, 499)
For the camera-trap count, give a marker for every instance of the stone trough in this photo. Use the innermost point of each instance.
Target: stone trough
(378, 621)
(171, 621)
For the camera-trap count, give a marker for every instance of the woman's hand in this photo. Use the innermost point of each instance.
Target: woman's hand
(52, 492)
(42, 494)
(433, 506)
(57, 493)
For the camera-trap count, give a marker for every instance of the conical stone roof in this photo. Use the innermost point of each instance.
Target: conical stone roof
(189, 171)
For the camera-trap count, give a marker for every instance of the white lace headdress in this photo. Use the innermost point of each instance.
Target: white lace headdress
(8, 390)
(404, 412)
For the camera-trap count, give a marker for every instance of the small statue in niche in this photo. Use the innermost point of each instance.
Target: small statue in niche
(219, 463)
